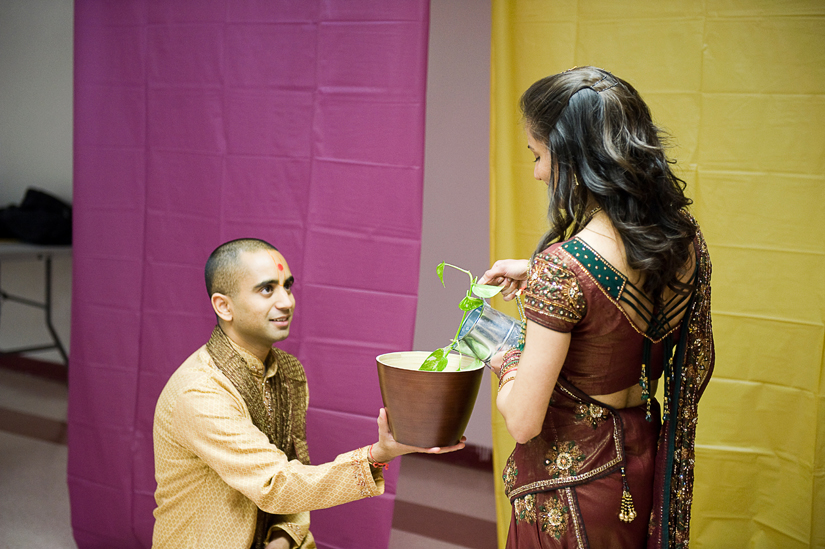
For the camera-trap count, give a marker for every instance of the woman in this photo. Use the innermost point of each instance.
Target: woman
(616, 297)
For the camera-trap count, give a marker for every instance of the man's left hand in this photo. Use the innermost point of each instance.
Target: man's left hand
(281, 541)
(386, 449)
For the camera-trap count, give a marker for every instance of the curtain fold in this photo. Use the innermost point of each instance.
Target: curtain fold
(739, 87)
(301, 123)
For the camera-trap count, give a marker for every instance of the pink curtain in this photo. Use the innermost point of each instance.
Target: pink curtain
(299, 122)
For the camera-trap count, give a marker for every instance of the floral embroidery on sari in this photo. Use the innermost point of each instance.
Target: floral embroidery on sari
(563, 459)
(591, 414)
(525, 509)
(509, 475)
(553, 517)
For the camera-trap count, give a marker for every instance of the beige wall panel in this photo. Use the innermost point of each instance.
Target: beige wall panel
(762, 8)
(763, 133)
(769, 351)
(768, 284)
(529, 11)
(654, 56)
(554, 42)
(678, 114)
(780, 420)
(766, 505)
(595, 10)
(751, 54)
(768, 218)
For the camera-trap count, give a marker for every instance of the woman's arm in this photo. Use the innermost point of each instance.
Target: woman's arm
(523, 402)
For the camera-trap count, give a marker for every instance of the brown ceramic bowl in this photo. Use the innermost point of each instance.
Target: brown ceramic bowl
(427, 409)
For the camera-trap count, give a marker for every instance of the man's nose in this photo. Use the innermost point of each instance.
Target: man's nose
(283, 299)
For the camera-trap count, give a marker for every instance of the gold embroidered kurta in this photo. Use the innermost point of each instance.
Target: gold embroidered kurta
(214, 468)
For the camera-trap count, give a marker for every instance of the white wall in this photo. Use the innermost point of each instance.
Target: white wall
(36, 66)
(456, 178)
(36, 53)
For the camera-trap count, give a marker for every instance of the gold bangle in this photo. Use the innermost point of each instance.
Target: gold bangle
(505, 381)
(510, 360)
(507, 368)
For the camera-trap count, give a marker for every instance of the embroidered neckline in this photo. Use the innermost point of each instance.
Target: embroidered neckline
(605, 274)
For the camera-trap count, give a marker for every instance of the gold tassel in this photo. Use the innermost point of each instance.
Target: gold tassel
(627, 512)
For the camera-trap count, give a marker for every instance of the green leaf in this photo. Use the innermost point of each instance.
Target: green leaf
(440, 272)
(470, 303)
(485, 290)
(437, 358)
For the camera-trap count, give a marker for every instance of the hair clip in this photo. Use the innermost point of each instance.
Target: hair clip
(603, 78)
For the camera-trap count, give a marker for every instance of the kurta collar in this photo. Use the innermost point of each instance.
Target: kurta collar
(252, 362)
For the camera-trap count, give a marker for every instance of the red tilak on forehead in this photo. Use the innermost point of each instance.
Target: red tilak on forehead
(280, 267)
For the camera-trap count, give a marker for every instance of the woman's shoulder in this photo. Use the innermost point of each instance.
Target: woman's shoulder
(556, 262)
(554, 250)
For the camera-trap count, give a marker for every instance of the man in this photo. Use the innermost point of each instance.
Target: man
(231, 459)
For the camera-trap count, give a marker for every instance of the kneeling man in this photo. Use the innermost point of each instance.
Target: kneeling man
(231, 459)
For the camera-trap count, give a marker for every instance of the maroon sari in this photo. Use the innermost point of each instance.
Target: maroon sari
(569, 484)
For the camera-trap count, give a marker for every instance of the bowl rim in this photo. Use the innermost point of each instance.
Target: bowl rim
(425, 354)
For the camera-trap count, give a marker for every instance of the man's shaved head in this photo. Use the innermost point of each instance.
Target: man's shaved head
(223, 266)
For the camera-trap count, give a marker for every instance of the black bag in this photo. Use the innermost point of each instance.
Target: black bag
(40, 219)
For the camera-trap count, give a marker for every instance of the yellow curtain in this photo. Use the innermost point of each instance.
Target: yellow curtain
(740, 84)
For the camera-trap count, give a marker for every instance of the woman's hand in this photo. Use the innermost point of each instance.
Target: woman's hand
(387, 449)
(495, 362)
(509, 273)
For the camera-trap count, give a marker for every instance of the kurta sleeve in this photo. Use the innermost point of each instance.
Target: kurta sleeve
(553, 297)
(210, 420)
(295, 526)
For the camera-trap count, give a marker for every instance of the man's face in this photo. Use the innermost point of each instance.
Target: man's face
(262, 304)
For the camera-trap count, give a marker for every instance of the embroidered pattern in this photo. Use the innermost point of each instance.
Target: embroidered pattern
(553, 517)
(611, 280)
(359, 457)
(553, 290)
(525, 509)
(695, 371)
(509, 475)
(592, 414)
(563, 459)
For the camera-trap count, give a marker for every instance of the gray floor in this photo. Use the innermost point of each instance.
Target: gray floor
(439, 505)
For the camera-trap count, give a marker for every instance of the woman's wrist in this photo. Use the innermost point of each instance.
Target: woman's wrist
(509, 362)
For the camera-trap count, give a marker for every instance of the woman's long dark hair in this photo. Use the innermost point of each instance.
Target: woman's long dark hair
(602, 139)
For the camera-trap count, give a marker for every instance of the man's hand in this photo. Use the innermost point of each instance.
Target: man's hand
(387, 449)
(509, 273)
(281, 541)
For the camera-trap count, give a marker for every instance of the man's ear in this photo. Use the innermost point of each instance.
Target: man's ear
(222, 305)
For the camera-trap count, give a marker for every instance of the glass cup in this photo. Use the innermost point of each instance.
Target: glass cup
(486, 332)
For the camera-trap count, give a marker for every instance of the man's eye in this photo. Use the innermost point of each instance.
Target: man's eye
(266, 290)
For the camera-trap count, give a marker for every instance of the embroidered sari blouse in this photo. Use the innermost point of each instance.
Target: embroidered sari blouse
(571, 288)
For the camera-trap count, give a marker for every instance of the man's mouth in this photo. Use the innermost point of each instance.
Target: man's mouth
(281, 320)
